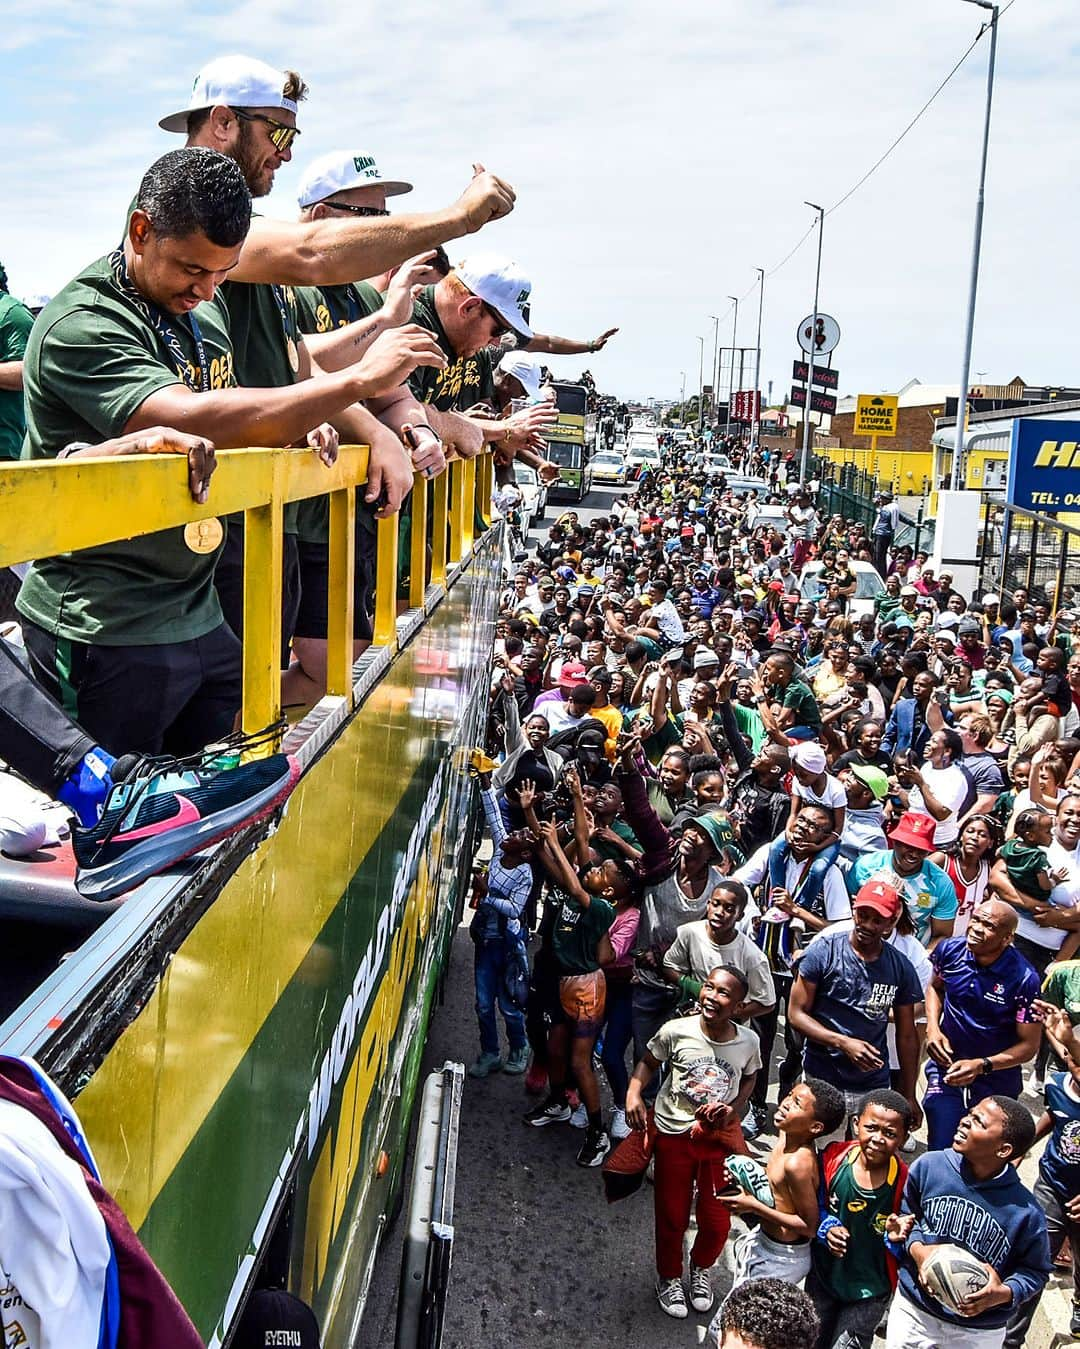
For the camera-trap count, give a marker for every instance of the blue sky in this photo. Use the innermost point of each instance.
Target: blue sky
(660, 152)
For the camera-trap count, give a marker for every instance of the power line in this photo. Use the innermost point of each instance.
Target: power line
(878, 163)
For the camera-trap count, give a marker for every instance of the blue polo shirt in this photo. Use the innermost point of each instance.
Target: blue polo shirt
(928, 894)
(984, 1003)
(1060, 1164)
(854, 997)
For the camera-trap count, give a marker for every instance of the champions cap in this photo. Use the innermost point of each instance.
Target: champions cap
(520, 366)
(500, 283)
(233, 82)
(341, 170)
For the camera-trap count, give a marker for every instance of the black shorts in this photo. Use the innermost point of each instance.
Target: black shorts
(314, 569)
(174, 698)
(229, 584)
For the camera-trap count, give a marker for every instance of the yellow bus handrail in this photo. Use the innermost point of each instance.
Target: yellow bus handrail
(52, 507)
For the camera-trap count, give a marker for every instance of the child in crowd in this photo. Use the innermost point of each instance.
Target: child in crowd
(780, 1246)
(1058, 1186)
(811, 784)
(1025, 857)
(712, 1064)
(853, 1274)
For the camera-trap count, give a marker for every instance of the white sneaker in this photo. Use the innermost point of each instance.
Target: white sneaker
(580, 1118)
(701, 1293)
(672, 1298)
(619, 1127)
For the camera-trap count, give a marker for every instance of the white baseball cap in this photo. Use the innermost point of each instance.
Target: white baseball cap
(524, 369)
(233, 82)
(341, 170)
(501, 284)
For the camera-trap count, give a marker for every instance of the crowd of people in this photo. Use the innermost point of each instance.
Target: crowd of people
(751, 829)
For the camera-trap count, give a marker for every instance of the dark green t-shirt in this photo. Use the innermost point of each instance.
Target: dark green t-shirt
(320, 309)
(466, 379)
(801, 700)
(577, 933)
(862, 1272)
(91, 362)
(15, 324)
(262, 329)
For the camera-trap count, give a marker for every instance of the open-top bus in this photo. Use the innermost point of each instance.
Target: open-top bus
(571, 443)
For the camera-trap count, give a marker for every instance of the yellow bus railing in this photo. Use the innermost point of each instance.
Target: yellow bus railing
(49, 507)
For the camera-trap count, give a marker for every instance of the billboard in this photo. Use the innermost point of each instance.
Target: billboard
(1044, 466)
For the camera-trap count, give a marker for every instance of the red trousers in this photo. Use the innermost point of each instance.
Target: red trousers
(678, 1165)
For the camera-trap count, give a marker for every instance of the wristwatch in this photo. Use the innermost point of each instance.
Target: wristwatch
(987, 1067)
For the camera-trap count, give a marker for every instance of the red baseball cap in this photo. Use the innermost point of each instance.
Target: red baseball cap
(687, 532)
(572, 675)
(916, 830)
(879, 896)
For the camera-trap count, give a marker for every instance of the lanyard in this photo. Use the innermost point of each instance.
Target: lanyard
(163, 326)
(287, 329)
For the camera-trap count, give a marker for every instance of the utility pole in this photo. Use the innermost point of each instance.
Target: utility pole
(755, 428)
(700, 382)
(969, 326)
(734, 341)
(715, 361)
(813, 335)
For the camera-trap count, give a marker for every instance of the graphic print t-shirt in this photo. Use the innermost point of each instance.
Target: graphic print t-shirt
(702, 1071)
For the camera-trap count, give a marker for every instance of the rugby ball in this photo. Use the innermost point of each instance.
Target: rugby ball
(950, 1273)
(749, 1175)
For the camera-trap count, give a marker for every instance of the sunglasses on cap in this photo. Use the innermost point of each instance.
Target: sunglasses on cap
(281, 135)
(357, 210)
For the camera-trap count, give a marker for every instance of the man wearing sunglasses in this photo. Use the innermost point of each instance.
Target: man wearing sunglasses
(247, 110)
(236, 94)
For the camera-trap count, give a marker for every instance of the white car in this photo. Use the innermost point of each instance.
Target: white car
(609, 468)
(642, 458)
(533, 495)
(868, 584)
(769, 513)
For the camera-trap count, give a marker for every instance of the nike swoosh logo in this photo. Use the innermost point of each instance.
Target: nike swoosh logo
(187, 814)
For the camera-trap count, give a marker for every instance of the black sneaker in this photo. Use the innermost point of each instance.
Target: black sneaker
(550, 1111)
(596, 1147)
(166, 809)
(1074, 1320)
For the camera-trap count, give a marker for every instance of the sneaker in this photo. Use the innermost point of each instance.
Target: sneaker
(619, 1127)
(166, 809)
(1074, 1320)
(596, 1147)
(672, 1298)
(701, 1293)
(485, 1065)
(580, 1118)
(517, 1061)
(547, 1112)
(750, 1126)
(536, 1079)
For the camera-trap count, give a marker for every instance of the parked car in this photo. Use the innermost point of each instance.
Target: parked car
(868, 584)
(533, 495)
(610, 468)
(770, 513)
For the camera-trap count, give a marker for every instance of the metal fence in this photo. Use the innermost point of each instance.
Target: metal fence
(849, 491)
(1019, 548)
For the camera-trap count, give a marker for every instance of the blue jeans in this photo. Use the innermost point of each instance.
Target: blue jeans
(490, 963)
(810, 893)
(618, 1032)
(946, 1106)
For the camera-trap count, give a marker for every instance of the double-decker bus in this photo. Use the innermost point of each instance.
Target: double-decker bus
(242, 1035)
(571, 443)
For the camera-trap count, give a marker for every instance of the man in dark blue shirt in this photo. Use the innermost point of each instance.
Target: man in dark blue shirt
(847, 984)
(979, 1023)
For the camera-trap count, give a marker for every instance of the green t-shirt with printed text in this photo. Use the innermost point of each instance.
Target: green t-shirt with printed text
(91, 362)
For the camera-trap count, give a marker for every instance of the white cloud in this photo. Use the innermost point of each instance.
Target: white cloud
(660, 153)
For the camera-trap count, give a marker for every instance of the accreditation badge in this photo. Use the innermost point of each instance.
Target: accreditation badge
(204, 536)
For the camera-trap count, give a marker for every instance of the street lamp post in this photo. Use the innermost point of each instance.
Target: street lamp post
(715, 361)
(700, 382)
(969, 327)
(734, 343)
(755, 430)
(682, 396)
(813, 334)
